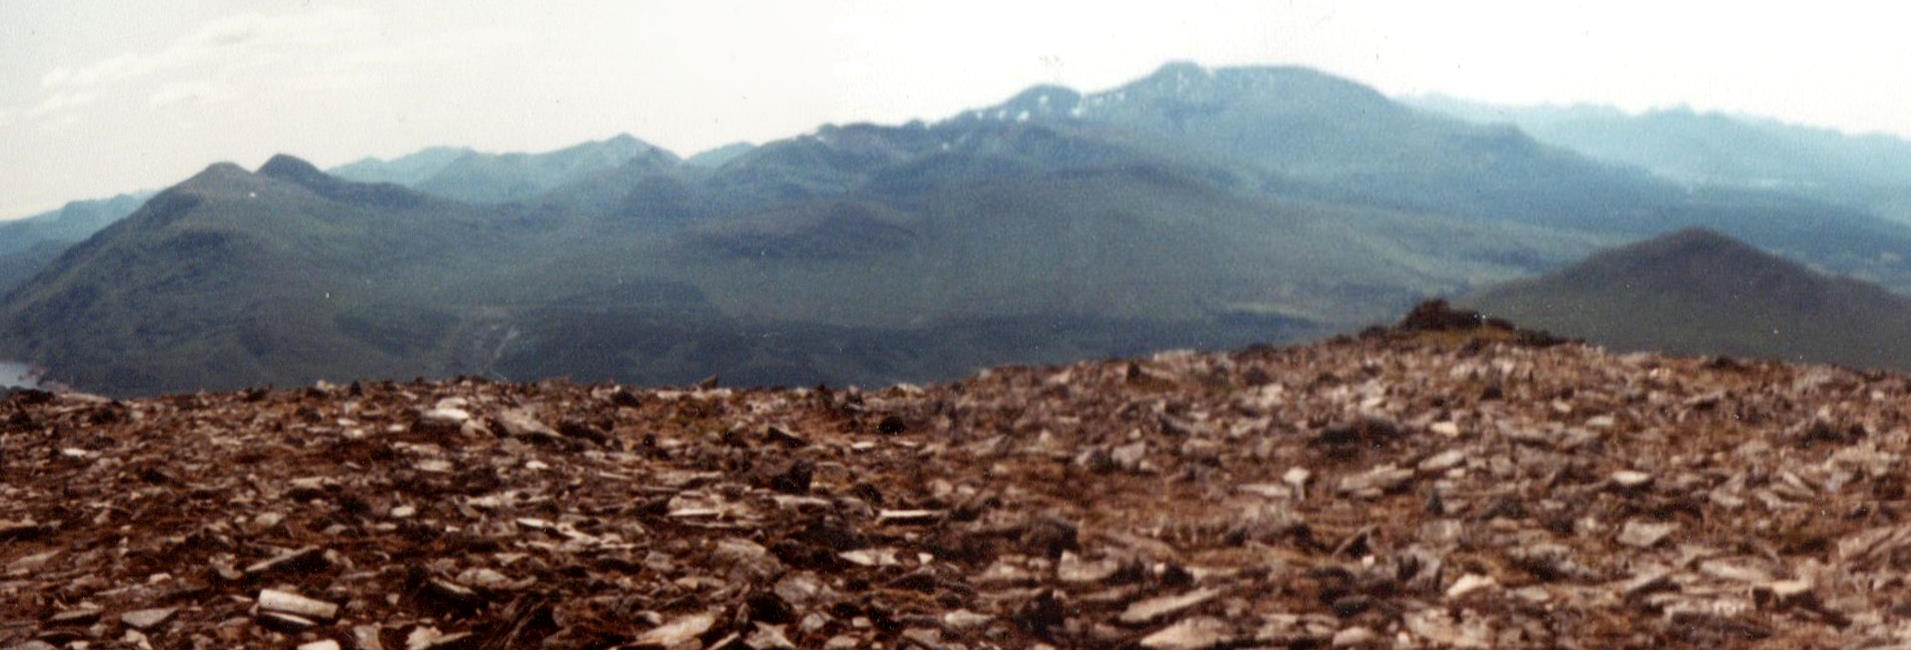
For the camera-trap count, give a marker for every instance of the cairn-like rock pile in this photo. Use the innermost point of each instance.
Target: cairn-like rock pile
(1408, 488)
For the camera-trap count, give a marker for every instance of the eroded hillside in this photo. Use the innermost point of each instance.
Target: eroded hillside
(1408, 488)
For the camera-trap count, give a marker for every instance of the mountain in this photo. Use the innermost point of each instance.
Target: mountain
(1193, 208)
(27, 244)
(1869, 171)
(1699, 292)
(234, 277)
(859, 254)
(719, 156)
(1322, 137)
(408, 170)
(502, 178)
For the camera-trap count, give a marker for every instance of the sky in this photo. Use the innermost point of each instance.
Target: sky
(101, 97)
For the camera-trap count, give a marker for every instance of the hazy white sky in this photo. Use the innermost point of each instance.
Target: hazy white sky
(103, 96)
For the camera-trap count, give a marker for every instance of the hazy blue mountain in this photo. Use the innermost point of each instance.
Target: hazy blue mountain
(27, 244)
(1327, 138)
(1871, 171)
(1192, 208)
(720, 155)
(408, 170)
(501, 178)
(858, 254)
(1700, 292)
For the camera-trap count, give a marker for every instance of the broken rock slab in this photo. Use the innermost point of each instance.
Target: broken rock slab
(285, 602)
(1197, 633)
(146, 620)
(678, 631)
(1640, 534)
(1159, 608)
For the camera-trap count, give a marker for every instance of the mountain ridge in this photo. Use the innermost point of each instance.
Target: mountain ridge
(866, 254)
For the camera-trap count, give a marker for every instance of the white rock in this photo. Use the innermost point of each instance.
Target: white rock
(683, 629)
(1638, 534)
(1198, 633)
(1155, 609)
(291, 603)
(1470, 583)
(1354, 637)
(1631, 479)
(1443, 461)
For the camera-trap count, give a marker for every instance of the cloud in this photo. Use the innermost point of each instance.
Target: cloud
(198, 92)
(223, 45)
(61, 102)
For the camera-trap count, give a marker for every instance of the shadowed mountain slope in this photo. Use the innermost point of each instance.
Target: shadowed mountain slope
(1699, 292)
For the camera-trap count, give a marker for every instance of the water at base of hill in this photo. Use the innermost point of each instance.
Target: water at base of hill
(14, 374)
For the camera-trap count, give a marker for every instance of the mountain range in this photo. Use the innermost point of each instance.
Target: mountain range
(1193, 207)
(1871, 172)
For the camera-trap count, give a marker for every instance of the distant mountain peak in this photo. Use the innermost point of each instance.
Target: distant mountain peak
(1180, 70)
(1678, 250)
(297, 171)
(289, 168)
(218, 172)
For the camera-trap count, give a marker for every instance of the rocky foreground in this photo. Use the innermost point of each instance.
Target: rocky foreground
(1417, 487)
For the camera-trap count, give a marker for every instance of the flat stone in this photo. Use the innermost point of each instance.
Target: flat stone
(327, 644)
(309, 558)
(1470, 583)
(147, 619)
(445, 416)
(76, 616)
(430, 638)
(1354, 637)
(283, 622)
(1073, 570)
(1630, 479)
(286, 602)
(1639, 534)
(366, 637)
(1646, 581)
(1159, 608)
(962, 620)
(871, 557)
(768, 637)
(1198, 633)
(519, 423)
(678, 631)
(1442, 461)
(1275, 491)
(908, 517)
(1725, 570)
(1379, 479)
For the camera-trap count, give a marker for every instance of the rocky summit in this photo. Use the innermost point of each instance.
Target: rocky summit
(1453, 484)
